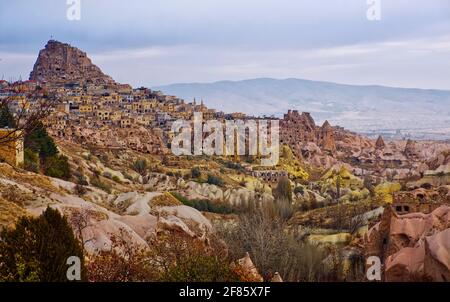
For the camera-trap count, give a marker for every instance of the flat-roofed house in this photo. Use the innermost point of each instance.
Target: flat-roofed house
(11, 146)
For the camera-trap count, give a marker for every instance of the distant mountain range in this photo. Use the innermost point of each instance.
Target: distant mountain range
(418, 113)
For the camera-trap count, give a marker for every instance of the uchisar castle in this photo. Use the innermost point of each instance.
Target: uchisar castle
(346, 194)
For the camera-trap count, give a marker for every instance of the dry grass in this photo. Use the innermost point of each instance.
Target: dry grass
(326, 217)
(165, 199)
(9, 213)
(23, 177)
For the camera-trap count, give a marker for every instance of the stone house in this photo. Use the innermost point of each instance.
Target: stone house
(420, 200)
(103, 114)
(271, 176)
(116, 116)
(12, 151)
(125, 122)
(86, 109)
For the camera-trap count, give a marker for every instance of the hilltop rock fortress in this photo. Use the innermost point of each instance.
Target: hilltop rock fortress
(62, 63)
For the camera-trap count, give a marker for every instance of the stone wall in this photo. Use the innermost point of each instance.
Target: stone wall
(420, 200)
(12, 151)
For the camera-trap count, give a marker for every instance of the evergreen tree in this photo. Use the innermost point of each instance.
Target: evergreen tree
(40, 142)
(57, 166)
(38, 249)
(6, 117)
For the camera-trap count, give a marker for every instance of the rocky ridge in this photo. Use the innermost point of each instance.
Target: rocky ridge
(60, 62)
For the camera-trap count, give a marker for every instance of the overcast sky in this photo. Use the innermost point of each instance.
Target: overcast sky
(153, 42)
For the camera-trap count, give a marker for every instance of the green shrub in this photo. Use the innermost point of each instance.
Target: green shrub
(57, 166)
(40, 142)
(127, 176)
(81, 179)
(232, 165)
(205, 205)
(299, 190)
(140, 166)
(116, 179)
(195, 172)
(37, 249)
(31, 161)
(6, 118)
(96, 182)
(214, 180)
(182, 199)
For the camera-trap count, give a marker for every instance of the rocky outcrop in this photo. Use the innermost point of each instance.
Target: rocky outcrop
(314, 143)
(247, 270)
(98, 216)
(62, 63)
(136, 138)
(413, 247)
(326, 137)
(379, 144)
(297, 128)
(276, 278)
(232, 196)
(410, 148)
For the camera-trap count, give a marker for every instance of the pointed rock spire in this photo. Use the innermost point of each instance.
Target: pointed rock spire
(326, 137)
(379, 144)
(410, 148)
(276, 278)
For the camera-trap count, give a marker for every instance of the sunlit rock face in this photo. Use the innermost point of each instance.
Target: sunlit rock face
(413, 247)
(60, 62)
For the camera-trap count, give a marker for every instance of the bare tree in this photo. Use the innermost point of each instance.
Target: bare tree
(272, 248)
(357, 219)
(81, 220)
(26, 115)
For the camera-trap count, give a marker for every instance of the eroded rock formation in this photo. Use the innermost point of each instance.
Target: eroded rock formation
(412, 247)
(379, 144)
(60, 62)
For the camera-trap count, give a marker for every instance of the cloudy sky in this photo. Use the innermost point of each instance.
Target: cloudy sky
(154, 42)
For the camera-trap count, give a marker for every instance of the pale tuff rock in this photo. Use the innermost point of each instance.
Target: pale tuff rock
(158, 182)
(233, 196)
(276, 278)
(144, 225)
(248, 268)
(98, 235)
(173, 223)
(99, 223)
(139, 204)
(410, 148)
(188, 213)
(416, 245)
